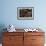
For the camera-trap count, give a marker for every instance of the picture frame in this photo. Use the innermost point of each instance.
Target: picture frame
(25, 13)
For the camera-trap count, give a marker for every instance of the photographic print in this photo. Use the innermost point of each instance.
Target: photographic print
(25, 13)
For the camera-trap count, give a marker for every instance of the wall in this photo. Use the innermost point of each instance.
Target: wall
(8, 13)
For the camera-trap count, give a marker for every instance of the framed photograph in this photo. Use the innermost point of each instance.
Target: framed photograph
(25, 13)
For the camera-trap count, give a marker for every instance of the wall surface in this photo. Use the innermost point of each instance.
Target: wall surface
(9, 13)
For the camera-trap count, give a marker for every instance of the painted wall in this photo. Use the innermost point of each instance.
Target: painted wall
(9, 13)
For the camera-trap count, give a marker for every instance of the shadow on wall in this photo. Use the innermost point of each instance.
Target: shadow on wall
(2, 26)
